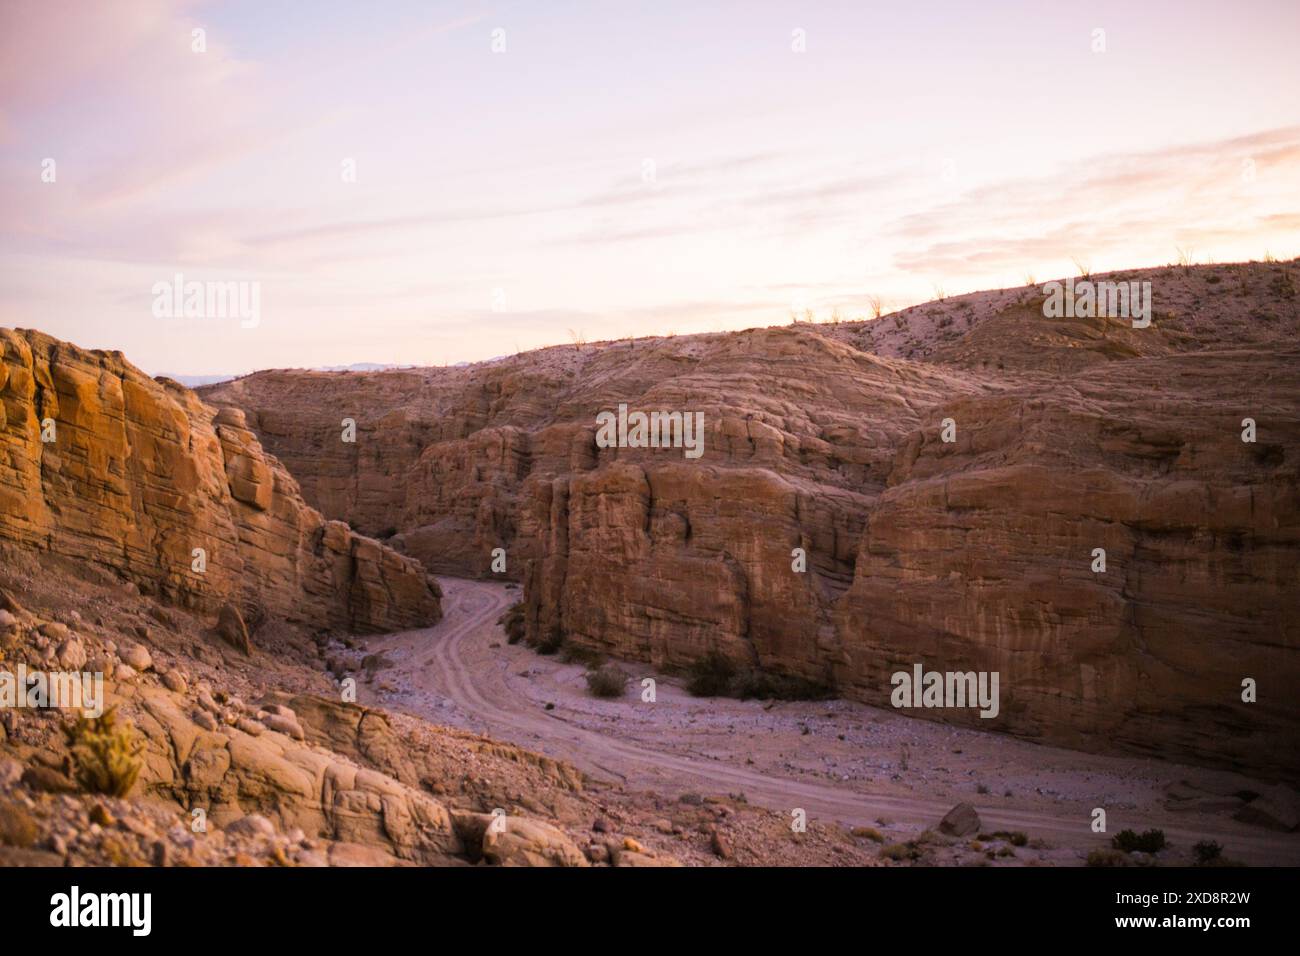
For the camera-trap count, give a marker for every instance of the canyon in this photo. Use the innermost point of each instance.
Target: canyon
(933, 486)
(975, 554)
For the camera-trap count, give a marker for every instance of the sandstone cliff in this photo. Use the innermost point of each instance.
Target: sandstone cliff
(1069, 435)
(112, 470)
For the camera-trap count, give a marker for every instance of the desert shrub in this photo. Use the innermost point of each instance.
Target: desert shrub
(867, 833)
(581, 655)
(1207, 851)
(1105, 857)
(716, 675)
(105, 753)
(899, 852)
(608, 680)
(1151, 841)
(711, 676)
(752, 683)
(513, 622)
(549, 645)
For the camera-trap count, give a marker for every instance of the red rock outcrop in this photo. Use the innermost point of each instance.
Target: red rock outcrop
(139, 475)
(974, 554)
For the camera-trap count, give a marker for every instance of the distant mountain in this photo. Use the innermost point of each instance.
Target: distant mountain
(194, 381)
(197, 381)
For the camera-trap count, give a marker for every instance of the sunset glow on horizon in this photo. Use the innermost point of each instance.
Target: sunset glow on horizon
(459, 181)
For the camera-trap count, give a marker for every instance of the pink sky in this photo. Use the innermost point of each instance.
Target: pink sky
(618, 169)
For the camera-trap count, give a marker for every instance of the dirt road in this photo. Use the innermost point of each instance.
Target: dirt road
(463, 672)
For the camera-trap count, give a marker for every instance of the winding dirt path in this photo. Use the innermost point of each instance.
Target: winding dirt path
(461, 671)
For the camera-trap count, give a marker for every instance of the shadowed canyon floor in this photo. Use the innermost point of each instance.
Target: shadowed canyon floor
(842, 762)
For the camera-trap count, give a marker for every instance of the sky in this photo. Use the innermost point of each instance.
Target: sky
(437, 182)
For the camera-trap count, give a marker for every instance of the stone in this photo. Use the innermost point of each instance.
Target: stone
(48, 780)
(72, 655)
(11, 771)
(137, 656)
(253, 825)
(960, 821)
(516, 841)
(284, 725)
(174, 680)
(124, 673)
(1278, 808)
(17, 827)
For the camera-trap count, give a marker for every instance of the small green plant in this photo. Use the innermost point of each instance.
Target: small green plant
(105, 753)
(607, 680)
(1150, 841)
(1207, 851)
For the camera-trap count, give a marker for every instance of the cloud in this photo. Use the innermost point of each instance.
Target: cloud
(1209, 194)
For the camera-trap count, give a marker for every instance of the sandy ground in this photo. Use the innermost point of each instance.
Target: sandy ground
(839, 761)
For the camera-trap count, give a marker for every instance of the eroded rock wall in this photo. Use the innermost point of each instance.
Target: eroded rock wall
(139, 473)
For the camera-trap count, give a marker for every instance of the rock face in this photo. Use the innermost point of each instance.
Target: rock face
(108, 469)
(975, 554)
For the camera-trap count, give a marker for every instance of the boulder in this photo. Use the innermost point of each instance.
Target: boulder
(960, 821)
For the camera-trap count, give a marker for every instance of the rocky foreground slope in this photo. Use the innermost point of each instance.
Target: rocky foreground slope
(257, 761)
(105, 471)
(979, 553)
